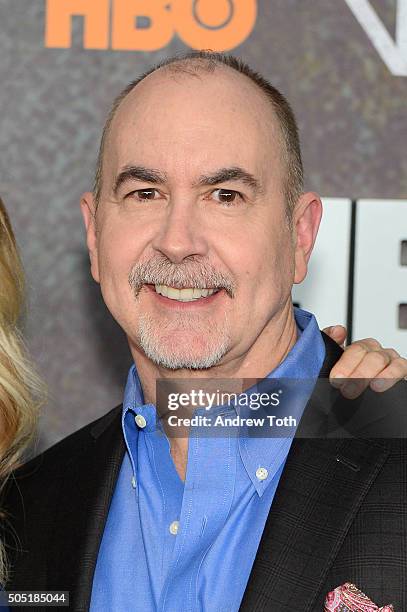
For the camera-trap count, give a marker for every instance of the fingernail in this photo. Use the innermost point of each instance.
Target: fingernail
(377, 385)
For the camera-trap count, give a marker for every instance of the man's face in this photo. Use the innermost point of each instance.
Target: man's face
(192, 200)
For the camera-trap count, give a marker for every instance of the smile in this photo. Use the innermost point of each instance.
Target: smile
(184, 295)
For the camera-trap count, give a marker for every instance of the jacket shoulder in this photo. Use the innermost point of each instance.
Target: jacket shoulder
(53, 462)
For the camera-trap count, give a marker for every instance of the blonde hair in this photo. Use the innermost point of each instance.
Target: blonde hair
(21, 390)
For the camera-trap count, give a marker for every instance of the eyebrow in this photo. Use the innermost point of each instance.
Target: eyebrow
(234, 173)
(138, 173)
(156, 177)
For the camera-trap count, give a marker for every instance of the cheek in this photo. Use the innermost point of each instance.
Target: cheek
(118, 250)
(119, 246)
(117, 253)
(268, 266)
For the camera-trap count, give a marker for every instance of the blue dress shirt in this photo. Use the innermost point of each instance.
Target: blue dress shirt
(170, 545)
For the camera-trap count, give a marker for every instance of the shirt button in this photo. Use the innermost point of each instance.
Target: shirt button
(174, 527)
(261, 473)
(140, 420)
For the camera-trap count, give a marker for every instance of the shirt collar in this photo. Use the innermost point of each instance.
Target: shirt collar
(304, 361)
(306, 357)
(133, 405)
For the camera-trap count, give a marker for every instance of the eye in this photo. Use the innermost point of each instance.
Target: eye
(144, 194)
(227, 196)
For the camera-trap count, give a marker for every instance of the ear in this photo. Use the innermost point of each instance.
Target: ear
(88, 208)
(306, 219)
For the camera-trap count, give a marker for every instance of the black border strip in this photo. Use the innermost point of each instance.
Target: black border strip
(351, 271)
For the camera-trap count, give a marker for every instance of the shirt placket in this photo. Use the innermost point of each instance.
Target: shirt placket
(207, 499)
(172, 490)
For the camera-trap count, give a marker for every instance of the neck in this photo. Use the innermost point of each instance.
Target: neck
(265, 353)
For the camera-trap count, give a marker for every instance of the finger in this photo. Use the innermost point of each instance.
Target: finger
(395, 371)
(337, 333)
(372, 365)
(392, 352)
(350, 359)
(354, 387)
(370, 344)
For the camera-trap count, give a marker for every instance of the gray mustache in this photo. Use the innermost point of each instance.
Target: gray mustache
(189, 273)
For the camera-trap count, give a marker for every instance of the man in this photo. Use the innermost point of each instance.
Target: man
(196, 229)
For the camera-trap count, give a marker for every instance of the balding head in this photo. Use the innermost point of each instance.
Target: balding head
(191, 244)
(200, 64)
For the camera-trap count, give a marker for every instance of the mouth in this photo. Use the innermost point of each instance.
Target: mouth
(188, 294)
(183, 295)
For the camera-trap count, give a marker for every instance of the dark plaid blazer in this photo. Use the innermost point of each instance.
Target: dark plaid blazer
(339, 514)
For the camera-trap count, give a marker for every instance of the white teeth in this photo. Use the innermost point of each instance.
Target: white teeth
(187, 294)
(183, 295)
(163, 289)
(172, 293)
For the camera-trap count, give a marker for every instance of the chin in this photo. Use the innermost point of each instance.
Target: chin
(183, 349)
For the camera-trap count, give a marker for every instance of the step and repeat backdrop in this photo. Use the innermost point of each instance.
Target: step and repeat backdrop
(341, 63)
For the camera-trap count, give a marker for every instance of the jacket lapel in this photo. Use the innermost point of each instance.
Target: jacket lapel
(320, 492)
(321, 489)
(82, 507)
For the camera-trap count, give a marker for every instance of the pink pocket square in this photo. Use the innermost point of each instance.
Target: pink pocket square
(348, 598)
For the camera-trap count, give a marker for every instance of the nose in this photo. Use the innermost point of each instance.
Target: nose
(181, 233)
